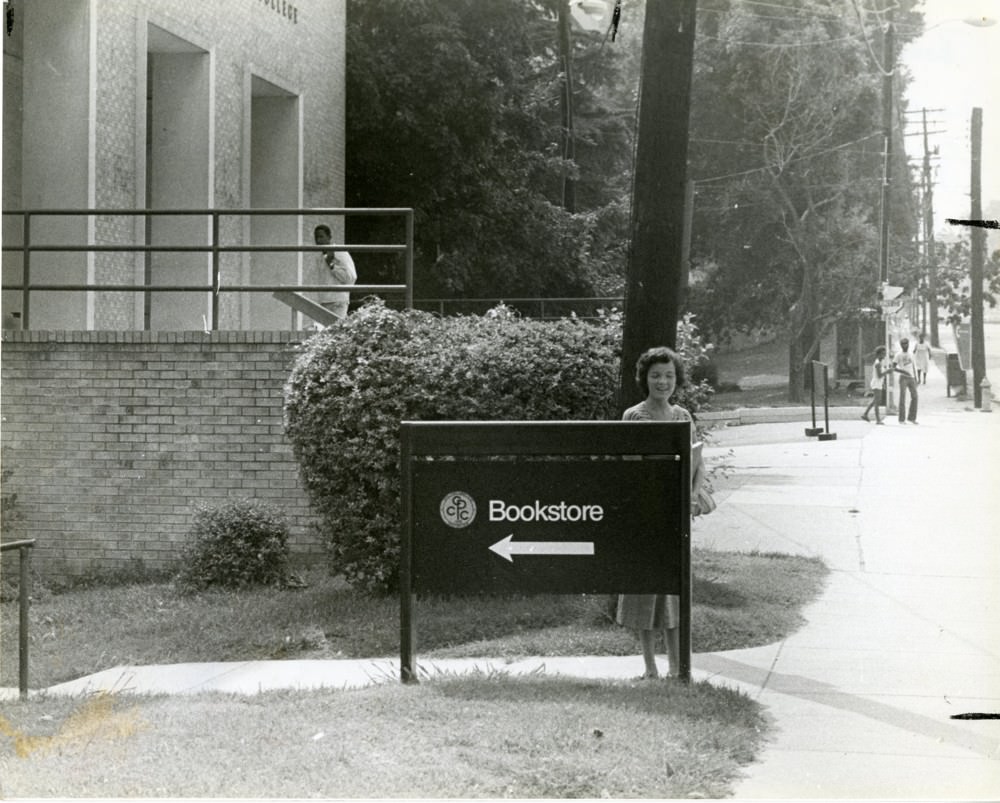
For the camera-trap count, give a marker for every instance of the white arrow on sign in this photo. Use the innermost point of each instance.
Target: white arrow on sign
(506, 548)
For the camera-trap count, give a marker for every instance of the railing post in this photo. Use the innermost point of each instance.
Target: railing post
(409, 259)
(26, 274)
(216, 272)
(24, 592)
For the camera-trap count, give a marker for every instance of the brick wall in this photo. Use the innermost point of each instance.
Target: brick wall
(109, 438)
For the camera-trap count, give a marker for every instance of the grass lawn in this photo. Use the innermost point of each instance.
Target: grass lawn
(739, 600)
(761, 372)
(473, 736)
(487, 736)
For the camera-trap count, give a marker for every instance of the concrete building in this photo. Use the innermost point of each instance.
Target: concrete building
(168, 104)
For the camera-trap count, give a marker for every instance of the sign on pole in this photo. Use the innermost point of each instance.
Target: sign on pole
(545, 507)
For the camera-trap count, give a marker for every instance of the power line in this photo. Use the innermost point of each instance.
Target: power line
(803, 18)
(784, 7)
(799, 159)
(778, 45)
(871, 51)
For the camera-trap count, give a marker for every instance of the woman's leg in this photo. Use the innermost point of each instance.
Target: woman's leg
(648, 640)
(672, 639)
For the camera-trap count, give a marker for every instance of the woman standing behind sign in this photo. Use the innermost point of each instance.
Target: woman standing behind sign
(659, 372)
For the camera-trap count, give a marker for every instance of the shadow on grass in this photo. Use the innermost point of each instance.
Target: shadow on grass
(718, 595)
(699, 700)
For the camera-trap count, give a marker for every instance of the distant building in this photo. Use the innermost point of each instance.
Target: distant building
(133, 104)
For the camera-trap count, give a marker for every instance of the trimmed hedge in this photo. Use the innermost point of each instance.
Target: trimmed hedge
(354, 382)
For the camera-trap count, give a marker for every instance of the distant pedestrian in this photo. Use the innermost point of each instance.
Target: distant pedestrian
(880, 374)
(922, 358)
(904, 365)
(659, 372)
(333, 267)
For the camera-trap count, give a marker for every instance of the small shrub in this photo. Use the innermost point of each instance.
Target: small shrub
(11, 517)
(238, 544)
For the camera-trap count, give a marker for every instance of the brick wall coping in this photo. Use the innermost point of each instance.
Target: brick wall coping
(108, 336)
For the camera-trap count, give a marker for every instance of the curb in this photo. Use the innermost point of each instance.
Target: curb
(773, 415)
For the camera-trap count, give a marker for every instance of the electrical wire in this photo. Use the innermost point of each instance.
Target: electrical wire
(814, 43)
(724, 11)
(799, 159)
(789, 8)
(871, 51)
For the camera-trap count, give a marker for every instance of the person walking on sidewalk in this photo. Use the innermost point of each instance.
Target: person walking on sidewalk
(904, 365)
(880, 372)
(922, 358)
(659, 372)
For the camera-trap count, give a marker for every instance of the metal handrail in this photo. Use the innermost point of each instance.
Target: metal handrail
(215, 248)
(541, 301)
(23, 596)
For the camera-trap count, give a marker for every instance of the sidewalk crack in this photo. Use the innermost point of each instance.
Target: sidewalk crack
(771, 669)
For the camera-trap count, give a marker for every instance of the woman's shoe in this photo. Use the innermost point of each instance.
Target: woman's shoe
(865, 417)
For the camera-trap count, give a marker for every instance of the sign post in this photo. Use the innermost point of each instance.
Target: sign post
(570, 507)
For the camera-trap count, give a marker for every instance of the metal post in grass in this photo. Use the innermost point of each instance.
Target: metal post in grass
(23, 599)
(813, 430)
(822, 371)
(554, 507)
(407, 665)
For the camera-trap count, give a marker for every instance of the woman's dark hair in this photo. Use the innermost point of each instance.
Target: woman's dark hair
(322, 227)
(880, 351)
(652, 356)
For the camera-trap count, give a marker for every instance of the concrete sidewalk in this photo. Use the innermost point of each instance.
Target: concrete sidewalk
(903, 638)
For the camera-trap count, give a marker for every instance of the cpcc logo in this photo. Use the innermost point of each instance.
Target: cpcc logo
(458, 509)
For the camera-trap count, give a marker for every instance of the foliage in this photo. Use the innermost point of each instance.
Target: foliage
(235, 545)
(953, 287)
(453, 110)
(787, 202)
(11, 515)
(353, 384)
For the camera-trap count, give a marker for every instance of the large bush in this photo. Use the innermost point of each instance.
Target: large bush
(355, 382)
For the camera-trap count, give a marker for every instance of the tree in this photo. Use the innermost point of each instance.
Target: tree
(954, 295)
(453, 109)
(787, 199)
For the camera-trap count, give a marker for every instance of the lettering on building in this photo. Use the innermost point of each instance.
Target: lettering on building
(284, 8)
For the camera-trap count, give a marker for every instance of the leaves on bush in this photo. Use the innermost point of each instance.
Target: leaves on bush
(241, 543)
(355, 382)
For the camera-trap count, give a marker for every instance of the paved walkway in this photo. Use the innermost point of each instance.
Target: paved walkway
(903, 638)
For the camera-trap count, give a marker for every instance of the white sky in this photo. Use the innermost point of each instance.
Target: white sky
(956, 67)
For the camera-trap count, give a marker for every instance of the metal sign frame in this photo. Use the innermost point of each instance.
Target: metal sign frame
(628, 458)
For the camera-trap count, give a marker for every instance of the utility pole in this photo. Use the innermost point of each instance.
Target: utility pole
(929, 247)
(977, 240)
(887, 90)
(656, 263)
(888, 73)
(568, 133)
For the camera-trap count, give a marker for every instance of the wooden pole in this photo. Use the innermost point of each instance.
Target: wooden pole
(656, 264)
(977, 238)
(568, 133)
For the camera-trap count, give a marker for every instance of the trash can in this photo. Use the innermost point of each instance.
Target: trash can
(956, 374)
